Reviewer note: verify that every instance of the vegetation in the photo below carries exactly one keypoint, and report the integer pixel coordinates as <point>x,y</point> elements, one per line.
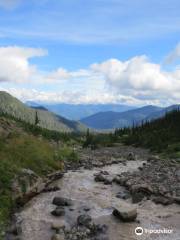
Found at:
<point>43,118</point>
<point>95,140</point>
<point>25,145</point>
<point>161,135</point>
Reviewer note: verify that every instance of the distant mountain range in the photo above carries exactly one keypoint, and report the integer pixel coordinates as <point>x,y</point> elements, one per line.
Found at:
<point>49,120</point>
<point>79,111</point>
<point>106,116</point>
<point>111,120</point>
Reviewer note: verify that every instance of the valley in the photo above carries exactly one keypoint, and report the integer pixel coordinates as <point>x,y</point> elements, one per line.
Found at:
<point>87,185</point>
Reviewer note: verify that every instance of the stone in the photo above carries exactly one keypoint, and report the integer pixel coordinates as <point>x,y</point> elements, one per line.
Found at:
<point>60,201</point>
<point>59,211</point>
<point>99,178</point>
<point>84,220</point>
<point>86,209</point>
<point>51,189</point>
<point>131,156</point>
<point>15,229</point>
<point>125,212</point>
<point>162,200</point>
<point>123,195</point>
<point>137,197</point>
<point>108,181</point>
<point>58,225</point>
<point>58,237</point>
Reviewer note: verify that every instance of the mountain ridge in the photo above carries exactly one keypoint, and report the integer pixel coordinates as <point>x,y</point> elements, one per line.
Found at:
<point>110,120</point>
<point>12,106</point>
<point>79,111</point>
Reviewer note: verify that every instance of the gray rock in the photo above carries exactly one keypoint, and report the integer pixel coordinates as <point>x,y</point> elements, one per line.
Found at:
<point>162,200</point>
<point>58,237</point>
<point>123,195</point>
<point>125,212</point>
<point>99,178</point>
<point>84,220</point>
<point>60,201</point>
<point>137,197</point>
<point>58,225</point>
<point>59,211</point>
<point>131,156</point>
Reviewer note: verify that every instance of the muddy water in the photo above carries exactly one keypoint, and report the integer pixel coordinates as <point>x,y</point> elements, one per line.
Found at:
<point>86,193</point>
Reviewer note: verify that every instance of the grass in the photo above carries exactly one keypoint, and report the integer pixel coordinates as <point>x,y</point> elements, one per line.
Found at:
<point>21,150</point>
<point>68,154</point>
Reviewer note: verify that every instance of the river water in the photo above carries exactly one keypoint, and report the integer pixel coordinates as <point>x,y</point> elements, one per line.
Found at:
<point>86,193</point>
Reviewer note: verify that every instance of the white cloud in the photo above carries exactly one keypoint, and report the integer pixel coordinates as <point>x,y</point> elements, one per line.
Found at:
<point>138,74</point>
<point>72,97</point>
<point>136,81</point>
<point>14,63</point>
<point>62,74</point>
<point>173,55</point>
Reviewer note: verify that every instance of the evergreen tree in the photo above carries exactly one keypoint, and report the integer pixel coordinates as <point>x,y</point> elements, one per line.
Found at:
<point>36,119</point>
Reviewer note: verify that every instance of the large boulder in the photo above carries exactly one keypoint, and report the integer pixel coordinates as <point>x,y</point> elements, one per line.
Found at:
<point>125,212</point>
<point>26,185</point>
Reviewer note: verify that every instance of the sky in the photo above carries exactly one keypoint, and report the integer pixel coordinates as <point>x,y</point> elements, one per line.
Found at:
<point>93,51</point>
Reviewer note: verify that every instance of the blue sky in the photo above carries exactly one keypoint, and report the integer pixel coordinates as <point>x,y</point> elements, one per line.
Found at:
<point>94,51</point>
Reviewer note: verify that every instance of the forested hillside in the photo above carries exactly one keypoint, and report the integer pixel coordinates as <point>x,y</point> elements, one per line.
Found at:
<point>162,135</point>
<point>42,117</point>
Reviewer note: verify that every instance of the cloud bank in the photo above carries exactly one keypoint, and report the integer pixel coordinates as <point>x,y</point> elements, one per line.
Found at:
<point>136,81</point>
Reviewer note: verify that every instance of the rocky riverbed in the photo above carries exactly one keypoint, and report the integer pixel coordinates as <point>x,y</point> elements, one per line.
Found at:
<point>114,191</point>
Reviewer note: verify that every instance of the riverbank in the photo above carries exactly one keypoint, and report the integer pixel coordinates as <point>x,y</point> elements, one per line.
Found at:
<point>97,199</point>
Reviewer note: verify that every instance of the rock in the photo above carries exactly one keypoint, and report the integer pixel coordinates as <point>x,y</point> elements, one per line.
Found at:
<point>145,188</point>
<point>26,185</point>
<point>101,238</point>
<point>123,195</point>
<point>58,225</point>
<point>86,209</point>
<point>99,178</point>
<point>153,159</point>
<point>102,228</point>
<point>125,212</point>
<point>177,173</point>
<point>162,200</point>
<point>58,237</point>
<point>131,156</point>
<point>15,229</point>
<point>108,181</point>
<point>60,201</point>
<point>55,176</point>
<point>104,172</point>
<point>51,189</point>
<point>84,220</point>
<point>59,211</point>
<point>140,191</point>
<point>137,197</point>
